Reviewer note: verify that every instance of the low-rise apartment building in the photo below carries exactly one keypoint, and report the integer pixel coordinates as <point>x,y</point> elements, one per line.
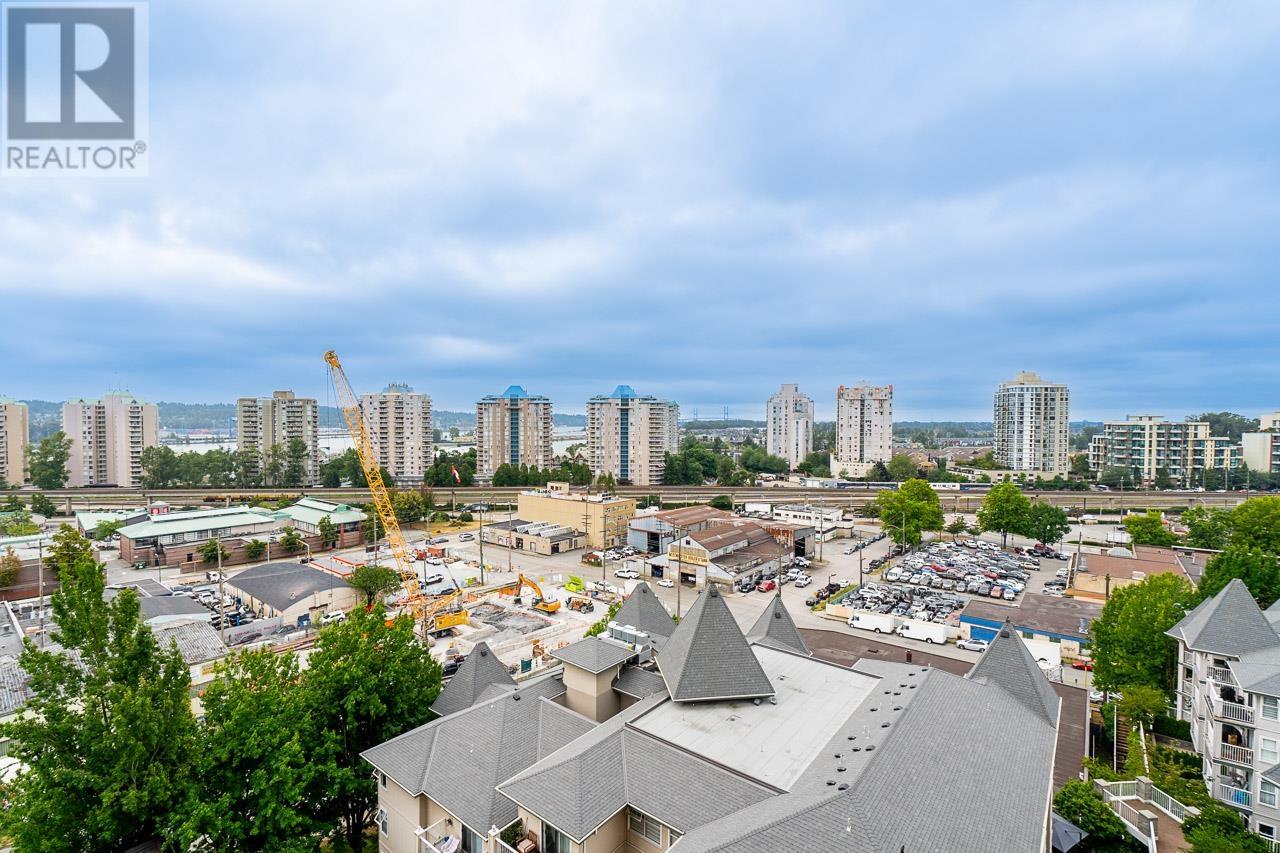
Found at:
<point>628,436</point>
<point>602,518</point>
<point>107,439</point>
<point>513,427</point>
<point>15,430</point>
<point>701,737</point>
<point>400,427</point>
<point>1229,691</point>
<point>266,425</point>
<point>1149,444</point>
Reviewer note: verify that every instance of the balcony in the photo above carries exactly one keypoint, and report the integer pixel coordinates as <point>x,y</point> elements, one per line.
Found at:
<point>1234,796</point>
<point>1233,711</point>
<point>1222,675</point>
<point>1235,754</point>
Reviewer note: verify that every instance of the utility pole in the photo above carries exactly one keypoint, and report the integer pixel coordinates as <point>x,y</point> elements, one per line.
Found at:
<point>511,539</point>
<point>679,572</point>
<point>40,586</point>
<point>222,599</point>
<point>480,536</point>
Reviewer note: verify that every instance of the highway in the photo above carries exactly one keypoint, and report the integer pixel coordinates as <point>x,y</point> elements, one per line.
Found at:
<point>952,502</point>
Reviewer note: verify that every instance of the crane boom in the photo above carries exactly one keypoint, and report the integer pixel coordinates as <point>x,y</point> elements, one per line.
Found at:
<point>373,476</point>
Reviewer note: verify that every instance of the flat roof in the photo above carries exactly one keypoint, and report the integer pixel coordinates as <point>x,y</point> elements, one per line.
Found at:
<point>774,743</point>
<point>687,515</point>
<point>1040,612</point>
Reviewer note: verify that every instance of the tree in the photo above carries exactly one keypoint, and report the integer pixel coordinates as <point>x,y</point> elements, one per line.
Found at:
<point>47,461</point>
<point>1220,829</point>
<point>465,517</point>
<point>723,502</point>
<point>251,760</point>
<point>254,549</point>
<point>296,454</point>
<point>41,505</point>
<point>1117,476</point>
<point>878,473</point>
<point>107,743</point>
<point>606,483</point>
<point>1046,523</point>
<point>1005,510</point>
<point>1228,424</point>
<point>106,529</point>
<point>1255,525</point>
<point>908,511</point>
<point>407,505</point>
<point>901,467</point>
<point>1162,479</point>
<point>69,547</point>
<point>1080,803</point>
<point>755,459</point>
<point>1260,573</point>
<point>328,531</point>
<point>1143,703</point>
<point>958,526</point>
<point>212,551</point>
<point>1128,640</point>
<point>1148,529</point>
<point>10,565</point>
<point>374,581</point>
<point>291,541</point>
<point>1080,465</point>
<point>1207,527</point>
<point>18,523</point>
<point>273,465</point>
<point>159,467</point>
<point>366,682</point>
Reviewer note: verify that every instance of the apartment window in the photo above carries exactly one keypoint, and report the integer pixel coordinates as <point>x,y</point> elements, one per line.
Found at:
<point>1267,831</point>
<point>675,834</point>
<point>1270,708</point>
<point>555,841</point>
<point>382,821</point>
<point>472,842</point>
<point>1267,793</point>
<point>642,824</point>
<point>382,779</point>
<point>1270,751</point>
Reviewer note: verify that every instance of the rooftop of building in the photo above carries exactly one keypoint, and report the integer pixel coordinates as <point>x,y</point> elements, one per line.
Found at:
<point>311,510</point>
<point>515,392</point>
<point>1038,612</point>
<point>687,516</point>
<point>196,640</point>
<point>282,584</point>
<point>198,520</point>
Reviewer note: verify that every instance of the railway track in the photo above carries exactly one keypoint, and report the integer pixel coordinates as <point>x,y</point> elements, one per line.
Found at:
<point>952,502</point>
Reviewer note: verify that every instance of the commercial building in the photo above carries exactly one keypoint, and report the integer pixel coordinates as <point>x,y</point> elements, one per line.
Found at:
<point>107,439</point>
<point>629,436</point>
<point>1229,691</point>
<point>1064,621</point>
<point>399,424</point>
<point>513,427</point>
<point>535,537</point>
<point>305,516</point>
<point>1147,445</point>
<point>789,425</point>
<point>1097,576</point>
<point>15,430</point>
<point>1032,425</point>
<point>266,425</point>
<point>602,518</point>
<point>296,593</point>
<point>1261,451</point>
<point>864,429</point>
<point>701,737</point>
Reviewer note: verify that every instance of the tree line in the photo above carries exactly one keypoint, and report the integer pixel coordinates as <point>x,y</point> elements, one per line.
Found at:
<point>114,756</point>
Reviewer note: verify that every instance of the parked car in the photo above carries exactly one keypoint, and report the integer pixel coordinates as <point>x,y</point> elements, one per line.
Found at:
<point>1086,665</point>
<point>465,537</point>
<point>666,583</point>
<point>803,580</point>
<point>626,574</point>
<point>330,617</point>
<point>766,586</point>
<point>973,645</point>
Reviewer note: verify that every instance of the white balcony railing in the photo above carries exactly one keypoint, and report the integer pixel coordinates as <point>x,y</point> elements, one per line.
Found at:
<point>1235,754</point>
<point>1222,675</point>
<point>1233,795</point>
<point>1225,710</point>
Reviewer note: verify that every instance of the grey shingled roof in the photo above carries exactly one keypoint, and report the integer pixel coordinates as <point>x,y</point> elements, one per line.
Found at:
<point>458,760</point>
<point>1272,773</point>
<point>775,627</point>
<point>709,658</point>
<point>584,784</point>
<point>1258,672</point>
<point>480,671</point>
<point>283,584</point>
<point>593,654</point>
<point>643,610</point>
<point>1008,664</point>
<point>639,683</point>
<point>1230,624</point>
<point>197,641</point>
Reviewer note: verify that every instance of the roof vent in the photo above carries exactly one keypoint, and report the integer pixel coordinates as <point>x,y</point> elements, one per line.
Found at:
<point>484,653</point>
<point>516,697</point>
<point>1004,632</point>
<point>755,701</point>
<point>773,700</point>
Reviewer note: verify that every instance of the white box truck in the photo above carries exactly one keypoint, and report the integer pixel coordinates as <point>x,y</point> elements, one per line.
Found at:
<point>930,632</point>
<point>881,623</point>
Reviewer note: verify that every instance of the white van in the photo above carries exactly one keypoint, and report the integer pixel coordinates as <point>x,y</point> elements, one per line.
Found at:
<point>881,623</point>
<point>332,616</point>
<point>930,632</point>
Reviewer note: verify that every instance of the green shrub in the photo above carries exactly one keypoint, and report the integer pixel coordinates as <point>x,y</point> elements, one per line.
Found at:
<point>1172,727</point>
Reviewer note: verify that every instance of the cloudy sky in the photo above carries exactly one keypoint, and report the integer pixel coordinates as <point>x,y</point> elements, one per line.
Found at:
<point>702,200</point>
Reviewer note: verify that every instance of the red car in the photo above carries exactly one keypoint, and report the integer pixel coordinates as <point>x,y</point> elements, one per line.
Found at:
<point>766,586</point>
<point>1086,665</point>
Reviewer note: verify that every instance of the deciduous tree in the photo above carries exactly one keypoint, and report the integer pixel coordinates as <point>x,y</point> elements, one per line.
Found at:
<point>1148,528</point>
<point>1046,523</point>
<point>1207,527</point>
<point>328,531</point>
<point>47,461</point>
<point>374,582</point>
<point>1260,573</point>
<point>1004,511</point>
<point>908,511</point>
<point>1129,644</point>
<point>1255,525</point>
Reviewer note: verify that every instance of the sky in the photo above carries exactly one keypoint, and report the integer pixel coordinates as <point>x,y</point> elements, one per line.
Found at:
<point>700,200</point>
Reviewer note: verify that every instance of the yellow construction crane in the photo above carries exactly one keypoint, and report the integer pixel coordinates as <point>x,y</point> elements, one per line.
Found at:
<point>415,600</point>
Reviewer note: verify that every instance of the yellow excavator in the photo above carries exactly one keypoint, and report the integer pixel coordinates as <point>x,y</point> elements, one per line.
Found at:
<point>441,613</point>
<point>540,602</point>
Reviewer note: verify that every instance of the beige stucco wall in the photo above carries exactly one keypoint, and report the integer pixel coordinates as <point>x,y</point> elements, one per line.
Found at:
<point>609,836</point>
<point>591,695</point>
<point>601,518</point>
<point>403,817</point>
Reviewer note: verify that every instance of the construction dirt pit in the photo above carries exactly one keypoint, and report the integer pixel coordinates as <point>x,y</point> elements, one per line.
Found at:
<point>503,619</point>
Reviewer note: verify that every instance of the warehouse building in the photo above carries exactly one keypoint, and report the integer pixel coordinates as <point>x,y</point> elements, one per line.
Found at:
<point>1040,617</point>
<point>534,537</point>
<point>298,594</point>
<point>604,518</point>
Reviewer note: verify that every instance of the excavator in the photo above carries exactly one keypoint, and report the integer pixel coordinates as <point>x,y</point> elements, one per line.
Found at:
<point>435,616</point>
<point>540,602</point>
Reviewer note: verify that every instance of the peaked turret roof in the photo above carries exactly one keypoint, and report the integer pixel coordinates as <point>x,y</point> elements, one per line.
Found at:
<point>1230,623</point>
<point>776,628</point>
<point>480,671</point>
<point>643,610</point>
<point>707,657</point>
<point>1008,664</point>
